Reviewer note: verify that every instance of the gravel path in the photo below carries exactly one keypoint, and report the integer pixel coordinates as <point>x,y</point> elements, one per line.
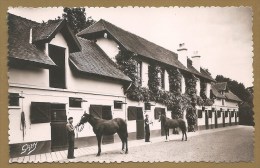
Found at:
<point>224,146</point>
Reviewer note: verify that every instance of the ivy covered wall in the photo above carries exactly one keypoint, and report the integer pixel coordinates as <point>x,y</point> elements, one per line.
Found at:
<point>173,99</point>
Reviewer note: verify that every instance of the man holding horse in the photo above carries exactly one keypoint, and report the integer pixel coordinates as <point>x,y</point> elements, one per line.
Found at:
<point>71,137</point>
<point>147,128</point>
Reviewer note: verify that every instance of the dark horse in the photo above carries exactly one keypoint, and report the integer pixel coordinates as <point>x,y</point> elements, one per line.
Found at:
<point>107,127</point>
<point>168,123</point>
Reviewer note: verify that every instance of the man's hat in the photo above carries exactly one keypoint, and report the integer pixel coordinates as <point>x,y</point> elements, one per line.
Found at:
<point>70,118</point>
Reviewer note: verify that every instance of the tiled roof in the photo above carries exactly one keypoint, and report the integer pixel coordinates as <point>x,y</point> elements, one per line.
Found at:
<point>18,42</point>
<point>221,86</point>
<point>227,94</point>
<point>45,30</point>
<point>231,96</point>
<point>202,72</point>
<point>216,93</point>
<point>137,45</point>
<point>93,60</point>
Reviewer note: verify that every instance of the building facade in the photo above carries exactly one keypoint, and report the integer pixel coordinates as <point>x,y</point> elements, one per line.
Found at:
<point>54,74</point>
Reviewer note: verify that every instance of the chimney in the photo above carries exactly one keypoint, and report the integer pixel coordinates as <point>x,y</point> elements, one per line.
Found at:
<point>182,54</point>
<point>30,37</point>
<point>196,60</point>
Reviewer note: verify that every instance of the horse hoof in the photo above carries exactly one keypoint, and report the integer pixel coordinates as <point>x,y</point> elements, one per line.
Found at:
<point>98,155</point>
<point>126,152</point>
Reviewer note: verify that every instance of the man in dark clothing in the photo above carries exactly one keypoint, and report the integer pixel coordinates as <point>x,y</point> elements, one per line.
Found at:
<point>71,137</point>
<point>147,128</point>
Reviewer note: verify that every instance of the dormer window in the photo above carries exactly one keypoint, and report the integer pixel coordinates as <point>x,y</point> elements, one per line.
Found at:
<point>57,74</point>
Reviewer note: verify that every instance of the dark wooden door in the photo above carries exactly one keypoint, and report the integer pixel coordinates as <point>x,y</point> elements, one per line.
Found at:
<point>216,119</point>
<point>139,123</point>
<point>58,127</point>
<point>107,115</point>
<point>206,120</point>
<point>160,111</point>
<point>223,119</point>
<point>229,118</point>
<point>235,118</point>
<point>103,112</point>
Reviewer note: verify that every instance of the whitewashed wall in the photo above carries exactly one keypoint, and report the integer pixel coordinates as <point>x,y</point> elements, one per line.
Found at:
<point>110,47</point>
<point>34,83</point>
<point>208,88</point>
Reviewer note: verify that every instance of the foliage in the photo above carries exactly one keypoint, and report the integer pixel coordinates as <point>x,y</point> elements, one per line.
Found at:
<point>206,101</point>
<point>173,99</point>
<point>191,116</point>
<point>76,18</point>
<point>154,80</point>
<point>246,114</point>
<point>175,80</point>
<point>191,82</point>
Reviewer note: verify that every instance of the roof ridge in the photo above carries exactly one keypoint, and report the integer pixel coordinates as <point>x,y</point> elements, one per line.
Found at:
<point>136,35</point>
<point>22,17</point>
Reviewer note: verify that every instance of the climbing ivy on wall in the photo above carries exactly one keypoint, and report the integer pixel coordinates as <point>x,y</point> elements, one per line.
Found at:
<point>153,79</point>
<point>205,100</point>
<point>175,80</point>
<point>173,99</point>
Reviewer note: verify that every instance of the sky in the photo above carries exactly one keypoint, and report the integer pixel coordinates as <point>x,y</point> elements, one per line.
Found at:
<point>222,36</point>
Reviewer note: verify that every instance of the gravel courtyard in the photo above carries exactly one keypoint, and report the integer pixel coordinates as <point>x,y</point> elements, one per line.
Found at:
<point>228,145</point>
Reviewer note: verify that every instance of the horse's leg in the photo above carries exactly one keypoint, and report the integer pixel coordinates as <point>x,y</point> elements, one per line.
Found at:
<point>166,133</point>
<point>99,137</point>
<point>126,145</point>
<point>122,140</point>
<point>186,136</point>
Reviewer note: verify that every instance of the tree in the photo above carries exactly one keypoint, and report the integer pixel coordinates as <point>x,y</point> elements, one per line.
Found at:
<point>76,18</point>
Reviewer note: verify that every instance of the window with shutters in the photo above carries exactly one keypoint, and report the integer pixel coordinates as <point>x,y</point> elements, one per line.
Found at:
<point>199,113</point>
<point>157,112</point>
<point>118,104</point>
<point>226,113</point>
<point>219,114</point>
<point>232,113</point>
<point>210,114</point>
<point>40,112</point>
<point>14,99</point>
<point>147,106</point>
<point>75,102</point>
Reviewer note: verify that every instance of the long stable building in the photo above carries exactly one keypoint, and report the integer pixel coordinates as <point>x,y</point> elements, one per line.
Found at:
<point>54,74</point>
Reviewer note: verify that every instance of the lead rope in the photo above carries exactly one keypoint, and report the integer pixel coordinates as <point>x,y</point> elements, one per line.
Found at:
<point>79,130</point>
